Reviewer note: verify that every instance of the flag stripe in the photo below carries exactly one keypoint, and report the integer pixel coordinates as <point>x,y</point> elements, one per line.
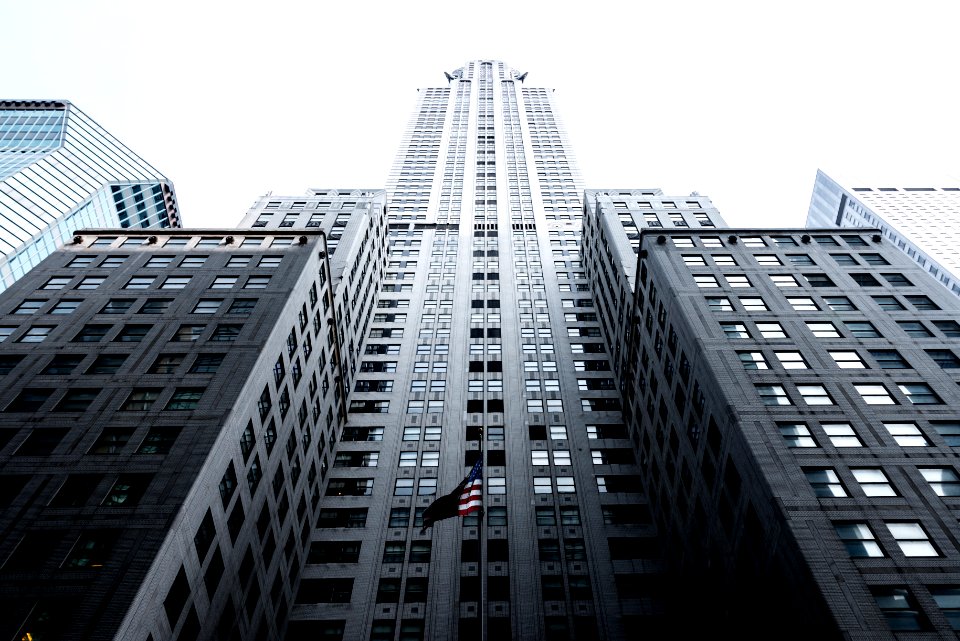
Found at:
<point>471,497</point>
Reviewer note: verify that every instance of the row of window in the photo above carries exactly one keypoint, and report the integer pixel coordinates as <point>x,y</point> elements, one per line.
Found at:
<point>160,261</point>
<point>66,364</point>
<point>772,260</point>
<point>826,483</point>
<point>707,281</point>
<point>124,305</point>
<point>31,399</point>
<point>871,393</point>
<point>147,282</point>
<point>131,333</point>
<point>841,434</point>
<point>188,241</point>
<point>847,359</point>
<point>714,242</point>
<point>826,329</point>
<point>808,304</point>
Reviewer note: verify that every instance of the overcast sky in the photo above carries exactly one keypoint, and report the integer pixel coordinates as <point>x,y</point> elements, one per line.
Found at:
<point>738,101</point>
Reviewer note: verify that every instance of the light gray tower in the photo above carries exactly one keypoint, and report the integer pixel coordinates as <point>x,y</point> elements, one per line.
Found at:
<point>922,220</point>
<point>61,171</point>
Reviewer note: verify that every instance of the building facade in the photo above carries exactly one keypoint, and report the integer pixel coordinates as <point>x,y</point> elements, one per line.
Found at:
<point>921,221</point>
<point>61,171</point>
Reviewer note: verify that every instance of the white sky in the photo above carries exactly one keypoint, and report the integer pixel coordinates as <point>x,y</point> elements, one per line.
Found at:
<point>739,101</point>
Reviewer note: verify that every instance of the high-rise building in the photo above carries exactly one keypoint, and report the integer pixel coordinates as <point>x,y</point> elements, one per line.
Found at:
<point>921,220</point>
<point>234,434</point>
<point>60,171</point>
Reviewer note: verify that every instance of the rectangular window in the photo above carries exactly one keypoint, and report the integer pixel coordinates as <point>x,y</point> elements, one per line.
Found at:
<point>841,435</point>
<point>873,481</point>
<point>943,480</point>
<point>773,395</point>
<point>862,329</point>
<point>825,483</point>
<point>771,330</point>
<point>919,393</point>
<point>791,360</point>
<point>907,434</point>
<point>888,359</point>
<point>753,360</point>
<point>734,330</point>
<point>815,395</point>
<point>912,539</point>
<point>719,304</point>
<point>858,539</point>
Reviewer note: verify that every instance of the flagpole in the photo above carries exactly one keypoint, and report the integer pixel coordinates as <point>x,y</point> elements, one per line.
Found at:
<point>483,551</point>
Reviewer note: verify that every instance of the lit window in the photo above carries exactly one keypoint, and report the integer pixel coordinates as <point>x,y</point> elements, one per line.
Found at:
<point>39,334</point>
<point>841,435</point>
<point>139,282</point>
<point>791,360</point>
<point>784,280</point>
<point>734,330</point>
<point>29,307</point>
<point>815,394</point>
<point>541,485</point>
<point>907,434</point>
<point>847,360</point>
<point>773,395</point>
<point>768,260</point>
<point>90,282</point>
<point>753,360</point>
<point>943,480</point>
<point>496,485</point>
<point>823,330</point>
<point>873,481</point>
<point>694,260</point>
<point>65,307</point>
<point>706,280</point>
<point>919,393</point>
<point>875,394</point>
<point>224,282</point>
<point>257,282</point>
<point>912,539</point>
<point>737,280</point>
<point>719,304</point>
<point>802,303</point>
<point>753,304</point>
<point>771,330</point>
<point>207,306</point>
<point>565,484</point>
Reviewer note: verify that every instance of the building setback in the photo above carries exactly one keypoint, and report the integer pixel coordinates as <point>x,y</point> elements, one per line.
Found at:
<point>684,427</point>
<point>60,171</point>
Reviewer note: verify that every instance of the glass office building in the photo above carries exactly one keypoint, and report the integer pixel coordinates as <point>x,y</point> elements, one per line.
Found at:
<point>60,171</point>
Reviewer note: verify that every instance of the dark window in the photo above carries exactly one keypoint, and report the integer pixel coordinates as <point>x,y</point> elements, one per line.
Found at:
<point>916,329</point>
<point>30,399</point>
<point>76,490</point>
<point>91,333</point>
<point>242,306</point>
<point>132,333</point>
<point>897,280</point>
<point>106,364</point>
<point>62,364</point>
<point>819,280</point>
<point>888,303</point>
<point>334,552</point>
<point>388,591</point>
<point>127,490</point>
<point>176,597</point>
<point>899,608</point>
<point>839,303</point>
<point>140,399</point>
<point>92,549</point>
<point>227,333</point>
<point>111,440</point>
<point>865,280</point>
<point>185,398</point>
<point>117,306</point>
<point>228,484</point>
<point>862,329</point>
<point>156,306</point>
<point>922,302</point>
<point>10,361</point>
<point>205,536</point>
<point>944,358</point>
<point>207,363</point>
<point>166,363</point>
<point>889,359</point>
<point>949,328</point>
<point>874,259</point>
<point>76,400</point>
<point>159,440</point>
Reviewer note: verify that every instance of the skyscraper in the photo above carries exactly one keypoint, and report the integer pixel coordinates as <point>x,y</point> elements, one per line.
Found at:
<point>684,427</point>
<point>921,220</point>
<point>60,171</point>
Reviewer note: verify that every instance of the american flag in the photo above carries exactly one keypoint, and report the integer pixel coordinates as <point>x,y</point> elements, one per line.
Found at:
<point>471,497</point>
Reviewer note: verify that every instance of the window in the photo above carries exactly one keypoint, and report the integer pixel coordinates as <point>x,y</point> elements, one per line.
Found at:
<point>768,260</point>
<point>257,282</point>
<point>947,599</point>
<point>771,330</point>
<point>950,328</point>
<point>839,303</point>
<point>91,334</point>
<point>76,400</point>
<point>694,260</point>
<point>944,358</point>
<point>734,330</point>
<point>566,485</point>
<point>915,329</point>
<point>65,306</point>
<point>175,282</point>
<point>719,304</point>
<point>865,280</point>
<point>187,333</point>
<point>705,280</point>
<point>791,360</point>
<point>403,487</point>
<point>841,435</point>
<point>949,431</point>
<point>819,280</point>
<point>496,485</point>
<point>844,260</point>
<point>888,303</point>
<point>815,394</point>
<point>874,394</point>
<point>888,359</point>
<point>753,360</point>
<point>156,306</point>
<point>81,261</point>
<point>243,306</point>
<point>737,280</point>
<point>56,282</point>
<point>873,481</point>
<point>90,282</point>
<point>784,280</point>
<point>270,262</point>
<point>166,364</point>
<point>185,398</point>
<point>140,399</point>
<point>912,539</point>
<point>943,480</point>
<point>919,393</point>
<point>823,330</point>
<point>773,395</point>
<point>132,333</point>
<point>897,280</point>
<point>207,306</point>
<point>907,434</point>
<point>29,306</point>
<point>922,302</point>
<point>115,306</point>
<point>753,304</point>
<point>862,329</point>
<point>859,540</point>
<point>825,483</point>
<point>800,259</point>
<point>239,261</point>
<point>226,333</point>
<point>38,334</point>
<point>899,608</point>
